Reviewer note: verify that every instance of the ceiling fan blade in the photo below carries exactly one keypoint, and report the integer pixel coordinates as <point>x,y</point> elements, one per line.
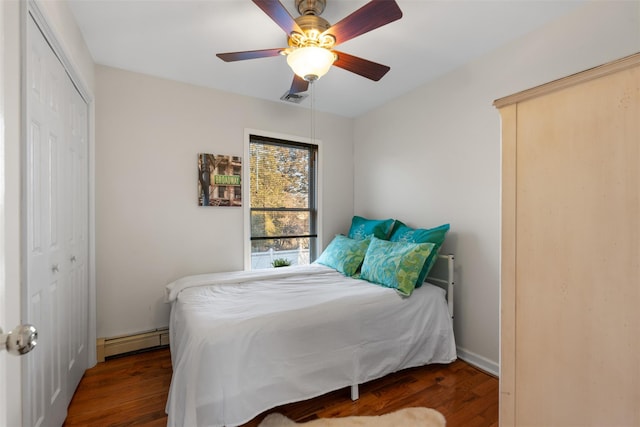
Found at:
<point>279,14</point>
<point>372,15</point>
<point>298,85</point>
<point>249,54</point>
<point>365,68</point>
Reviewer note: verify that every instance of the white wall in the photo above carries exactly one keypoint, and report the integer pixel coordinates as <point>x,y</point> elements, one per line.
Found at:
<point>150,230</point>
<point>433,156</point>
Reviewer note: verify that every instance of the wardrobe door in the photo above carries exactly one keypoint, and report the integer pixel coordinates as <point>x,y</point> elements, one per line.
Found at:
<point>576,253</point>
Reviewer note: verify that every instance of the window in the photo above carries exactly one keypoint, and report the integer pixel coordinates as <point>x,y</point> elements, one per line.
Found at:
<point>283,201</point>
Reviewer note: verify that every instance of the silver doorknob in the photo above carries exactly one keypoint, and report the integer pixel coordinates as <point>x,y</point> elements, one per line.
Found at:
<point>19,341</point>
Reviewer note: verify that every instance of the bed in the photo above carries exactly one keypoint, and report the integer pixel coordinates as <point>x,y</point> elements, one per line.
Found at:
<point>244,342</point>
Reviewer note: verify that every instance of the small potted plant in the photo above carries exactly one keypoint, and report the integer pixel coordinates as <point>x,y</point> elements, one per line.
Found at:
<point>280,262</point>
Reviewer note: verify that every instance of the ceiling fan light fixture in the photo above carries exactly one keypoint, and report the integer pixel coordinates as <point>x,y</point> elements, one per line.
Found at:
<point>310,62</point>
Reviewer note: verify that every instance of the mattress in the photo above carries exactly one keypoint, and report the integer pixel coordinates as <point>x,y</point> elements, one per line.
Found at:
<point>244,342</point>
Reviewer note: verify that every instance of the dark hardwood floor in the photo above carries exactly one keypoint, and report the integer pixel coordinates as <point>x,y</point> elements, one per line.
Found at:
<point>132,390</point>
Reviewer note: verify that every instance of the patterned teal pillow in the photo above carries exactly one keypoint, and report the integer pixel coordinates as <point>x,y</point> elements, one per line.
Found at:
<point>363,227</point>
<point>344,254</point>
<point>395,264</point>
<point>402,233</point>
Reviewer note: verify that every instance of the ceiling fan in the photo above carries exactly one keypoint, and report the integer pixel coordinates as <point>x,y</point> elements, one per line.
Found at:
<point>311,39</point>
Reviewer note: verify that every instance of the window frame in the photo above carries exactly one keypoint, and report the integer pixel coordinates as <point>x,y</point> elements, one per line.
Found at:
<point>247,193</point>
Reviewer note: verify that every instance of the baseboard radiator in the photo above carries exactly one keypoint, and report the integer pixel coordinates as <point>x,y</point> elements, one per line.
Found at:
<point>107,347</point>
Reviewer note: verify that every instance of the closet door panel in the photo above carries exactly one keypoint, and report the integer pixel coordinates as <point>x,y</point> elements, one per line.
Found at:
<point>76,238</point>
<point>46,285</point>
<point>577,257</point>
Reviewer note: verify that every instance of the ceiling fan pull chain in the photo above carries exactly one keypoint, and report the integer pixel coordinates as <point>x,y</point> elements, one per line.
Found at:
<point>313,109</point>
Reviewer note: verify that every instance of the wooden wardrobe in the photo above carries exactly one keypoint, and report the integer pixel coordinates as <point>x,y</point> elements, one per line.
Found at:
<point>570,286</point>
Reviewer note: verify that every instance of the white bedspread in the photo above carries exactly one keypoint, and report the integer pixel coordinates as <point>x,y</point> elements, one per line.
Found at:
<point>245,342</point>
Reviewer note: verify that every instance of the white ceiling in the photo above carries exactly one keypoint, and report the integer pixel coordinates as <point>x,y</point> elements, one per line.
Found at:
<point>178,40</point>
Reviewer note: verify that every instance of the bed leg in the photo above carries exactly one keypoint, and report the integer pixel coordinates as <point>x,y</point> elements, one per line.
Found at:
<point>355,394</point>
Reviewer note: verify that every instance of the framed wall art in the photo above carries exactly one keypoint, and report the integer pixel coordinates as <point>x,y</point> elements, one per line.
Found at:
<point>219,180</point>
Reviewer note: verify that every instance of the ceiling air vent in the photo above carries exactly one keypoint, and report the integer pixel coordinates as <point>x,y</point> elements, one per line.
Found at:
<point>296,98</point>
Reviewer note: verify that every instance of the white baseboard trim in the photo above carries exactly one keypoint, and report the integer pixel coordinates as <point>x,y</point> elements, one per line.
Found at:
<point>479,362</point>
<point>106,347</point>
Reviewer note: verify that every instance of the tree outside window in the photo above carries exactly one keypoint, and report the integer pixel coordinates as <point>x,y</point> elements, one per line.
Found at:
<point>283,201</point>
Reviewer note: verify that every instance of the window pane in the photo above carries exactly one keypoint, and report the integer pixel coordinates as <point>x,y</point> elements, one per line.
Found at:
<point>279,223</point>
<point>279,176</point>
<point>282,186</point>
<point>263,252</point>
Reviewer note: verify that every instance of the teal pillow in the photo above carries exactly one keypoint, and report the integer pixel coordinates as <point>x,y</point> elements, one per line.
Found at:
<point>436,235</point>
<point>344,254</point>
<point>363,227</point>
<point>395,264</point>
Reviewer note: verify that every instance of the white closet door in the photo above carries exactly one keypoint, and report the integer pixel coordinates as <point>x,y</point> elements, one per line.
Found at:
<point>76,229</point>
<point>56,279</point>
